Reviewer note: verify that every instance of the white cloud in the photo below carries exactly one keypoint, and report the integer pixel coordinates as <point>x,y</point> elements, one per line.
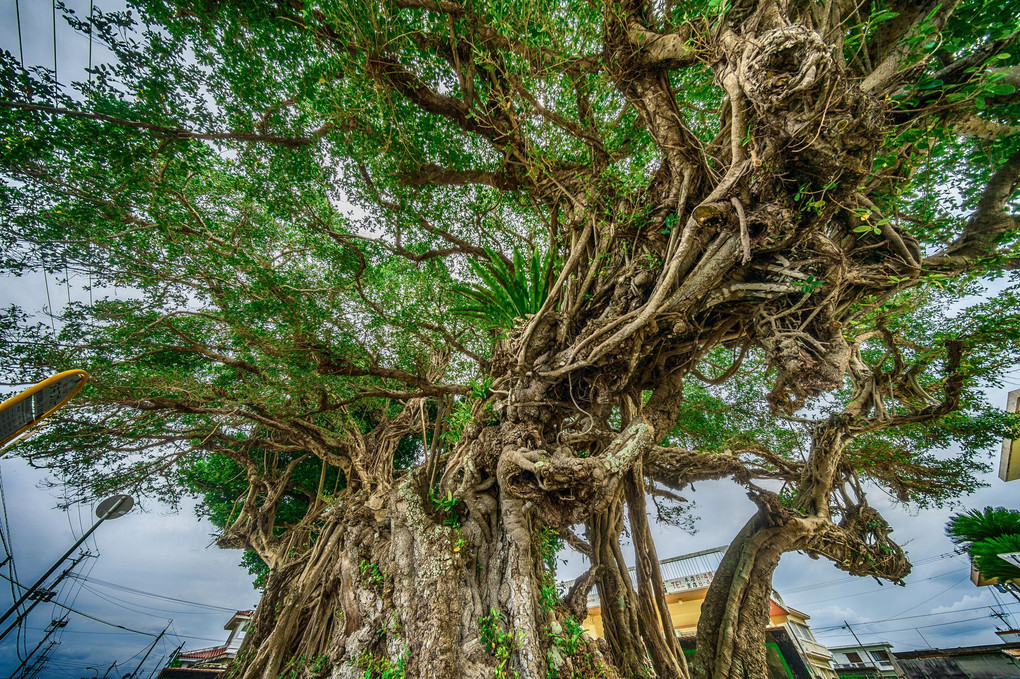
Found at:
<point>836,612</point>
<point>968,601</point>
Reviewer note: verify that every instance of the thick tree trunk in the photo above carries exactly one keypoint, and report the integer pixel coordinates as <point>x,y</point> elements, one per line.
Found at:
<point>657,623</point>
<point>620,617</point>
<point>735,614</point>
<point>415,594</point>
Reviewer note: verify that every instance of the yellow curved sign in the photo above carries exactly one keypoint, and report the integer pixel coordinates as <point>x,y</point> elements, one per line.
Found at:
<point>33,405</point>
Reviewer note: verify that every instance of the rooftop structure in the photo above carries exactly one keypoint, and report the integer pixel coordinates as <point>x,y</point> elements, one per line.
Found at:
<point>214,658</point>
<point>994,661</point>
<point>871,660</point>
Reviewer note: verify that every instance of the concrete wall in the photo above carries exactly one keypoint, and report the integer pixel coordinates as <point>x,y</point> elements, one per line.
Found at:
<point>984,666</point>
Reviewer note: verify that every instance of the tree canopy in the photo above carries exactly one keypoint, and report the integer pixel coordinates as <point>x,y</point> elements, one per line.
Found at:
<point>413,292</point>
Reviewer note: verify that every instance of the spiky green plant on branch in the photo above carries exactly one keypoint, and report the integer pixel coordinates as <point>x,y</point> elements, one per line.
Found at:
<point>505,293</point>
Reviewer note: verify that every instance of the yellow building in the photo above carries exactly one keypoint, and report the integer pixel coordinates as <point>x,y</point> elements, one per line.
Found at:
<point>686,579</point>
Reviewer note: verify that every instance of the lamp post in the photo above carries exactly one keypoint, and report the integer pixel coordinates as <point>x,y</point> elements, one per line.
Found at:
<point>112,507</point>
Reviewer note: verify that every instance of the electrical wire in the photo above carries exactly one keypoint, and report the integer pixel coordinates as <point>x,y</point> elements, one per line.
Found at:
<point>907,617</point>
<point>92,617</point>
<point>127,605</point>
<point>165,613</point>
<point>876,590</point>
<point>901,629</point>
<point>995,595</point>
<point>124,588</point>
<point>838,581</point>
<point>91,20</point>
<point>952,586</point>
<point>93,633</point>
<point>53,13</point>
<point>21,644</point>
<point>49,303</point>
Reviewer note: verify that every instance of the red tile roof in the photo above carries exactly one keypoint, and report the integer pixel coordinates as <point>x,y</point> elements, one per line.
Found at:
<point>237,618</point>
<point>204,654</point>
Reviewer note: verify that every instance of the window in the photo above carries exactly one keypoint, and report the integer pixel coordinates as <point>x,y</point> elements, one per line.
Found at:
<point>853,657</point>
<point>801,631</point>
<point>881,656</point>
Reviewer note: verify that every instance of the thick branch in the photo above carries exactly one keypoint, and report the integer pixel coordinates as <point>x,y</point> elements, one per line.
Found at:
<point>990,221</point>
<point>171,132</point>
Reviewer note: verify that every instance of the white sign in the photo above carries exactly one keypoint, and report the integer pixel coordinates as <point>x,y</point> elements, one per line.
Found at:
<point>689,582</point>
<point>1011,557</point>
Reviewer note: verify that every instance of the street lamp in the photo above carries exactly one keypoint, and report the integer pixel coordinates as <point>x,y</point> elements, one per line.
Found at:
<point>112,507</point>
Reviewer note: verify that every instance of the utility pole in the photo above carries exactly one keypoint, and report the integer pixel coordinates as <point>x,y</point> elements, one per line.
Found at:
<point>37,600</point>
<point>157,667</point>
<point>109,669</point>
<point>50,629</point>
<point>170,658</point>
<point>146,657</point>
<point>110,508</point>
<point>1001,616</point>
<point>38,665</point>
<point>878,672</point>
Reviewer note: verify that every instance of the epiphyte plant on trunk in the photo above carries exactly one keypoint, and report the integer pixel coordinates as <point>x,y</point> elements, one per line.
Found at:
<point>508,291</point>
<point>747,211</point>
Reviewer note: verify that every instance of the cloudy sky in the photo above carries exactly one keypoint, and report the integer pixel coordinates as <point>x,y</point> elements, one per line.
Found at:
<point>167,556</point>
<point>154,566</point>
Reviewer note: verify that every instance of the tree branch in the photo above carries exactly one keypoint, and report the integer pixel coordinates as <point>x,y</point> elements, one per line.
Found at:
<point>171,132</point>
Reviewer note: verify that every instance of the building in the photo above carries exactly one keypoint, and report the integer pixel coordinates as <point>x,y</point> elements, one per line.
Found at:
<point>686,579</point>
<point>1009,460</point>
<point>1009,636</point>
<point>208,662</point>
<point>996,661</point>
<point>866,660</point>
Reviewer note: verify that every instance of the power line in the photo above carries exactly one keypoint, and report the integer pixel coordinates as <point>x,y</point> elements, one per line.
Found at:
<point>952,586</point>
<point>90,617</point>
<point>900,629</point>
<point>907,617</point>
<point>124,588</point>
<point>49,631</point>
<point>131,606</point>
<point>842,580</point>
<point>39,595</point>
<point>94,633</point>
<point>5,529</point>
<point>135,606</point>
<point>877,590</point>
<point>995,595</point>
<point>134,674</point>
<point>91,27</point>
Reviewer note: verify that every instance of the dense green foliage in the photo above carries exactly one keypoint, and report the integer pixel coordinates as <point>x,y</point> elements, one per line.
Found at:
<point>470,280</point>
<point>985,534</point>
